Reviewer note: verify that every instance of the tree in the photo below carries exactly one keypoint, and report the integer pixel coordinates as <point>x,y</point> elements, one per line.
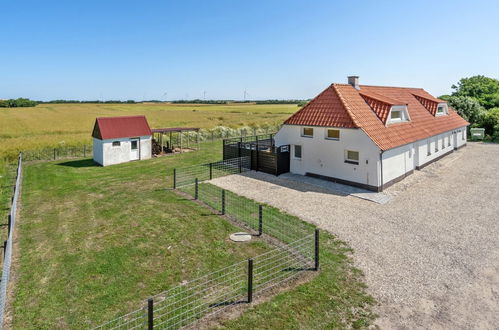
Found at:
<point>490,122</point>
<point>484,89</point>
<point>467,107</point>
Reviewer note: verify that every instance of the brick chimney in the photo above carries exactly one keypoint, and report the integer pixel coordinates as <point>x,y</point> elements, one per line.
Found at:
<point>354,81</point>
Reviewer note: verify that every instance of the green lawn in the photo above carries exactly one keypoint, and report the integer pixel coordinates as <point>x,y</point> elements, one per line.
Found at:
<point>95,242</point>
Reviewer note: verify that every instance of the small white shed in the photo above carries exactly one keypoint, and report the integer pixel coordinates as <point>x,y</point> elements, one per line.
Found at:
<point>121,139</point>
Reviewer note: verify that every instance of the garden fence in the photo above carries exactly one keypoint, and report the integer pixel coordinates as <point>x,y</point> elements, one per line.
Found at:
<point>295,251</point>
<point>7,245</point>
<point>187,175</point>
<point>83,151</point>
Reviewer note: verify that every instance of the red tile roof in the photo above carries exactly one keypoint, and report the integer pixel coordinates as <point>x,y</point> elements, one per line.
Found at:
<point>326,109</point>
<point>120,127</point>
<point>341,105</point>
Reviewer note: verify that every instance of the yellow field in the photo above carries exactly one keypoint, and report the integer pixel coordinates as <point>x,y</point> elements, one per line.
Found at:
<point>52,125</point>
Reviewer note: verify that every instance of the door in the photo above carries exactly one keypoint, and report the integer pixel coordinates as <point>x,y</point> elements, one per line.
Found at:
<point>134,152</point>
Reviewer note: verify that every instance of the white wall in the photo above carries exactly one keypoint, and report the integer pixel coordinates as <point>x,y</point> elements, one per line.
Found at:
<point>105,154</point>
<point>397,162</point>
<point>97,151</point>
<point>327,157</point>
<point>460,139</point>
<point>422,147</point>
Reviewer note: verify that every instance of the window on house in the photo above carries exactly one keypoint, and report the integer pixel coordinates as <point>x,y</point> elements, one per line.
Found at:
<point>436,144</point>
<point>134,145</point>
<point>450,136</point>
<point>297,151</point>
<point>443,142</point>
<point>441,109</point>
<point>398,114</point>
<point>462,134</point>
<point>428,147</point>
<point>116,143</point>
<point>352,157</point>
<point>307,132</point>
<point>333,134</point>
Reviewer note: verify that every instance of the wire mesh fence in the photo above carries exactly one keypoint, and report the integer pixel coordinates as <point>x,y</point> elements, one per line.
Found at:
<point>296,250</point>
<point>187,175</point>
<point>58,153</point>
<point>8,243</point>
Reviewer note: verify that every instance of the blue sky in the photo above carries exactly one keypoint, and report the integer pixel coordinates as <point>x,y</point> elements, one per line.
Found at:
<point>273,49</point>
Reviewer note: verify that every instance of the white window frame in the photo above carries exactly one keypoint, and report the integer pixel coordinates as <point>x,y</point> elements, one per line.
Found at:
<point>350,160</point>
<point>330,138</point>
<point>294,151</point>
<point>445,108</point>
<point>303,132</point>
<point>404,114</point>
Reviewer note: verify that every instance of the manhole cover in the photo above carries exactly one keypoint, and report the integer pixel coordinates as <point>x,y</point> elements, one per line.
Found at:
<point>240,237</point>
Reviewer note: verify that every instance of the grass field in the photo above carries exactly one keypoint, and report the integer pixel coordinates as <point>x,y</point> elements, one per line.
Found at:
<point>52,125</point>
<point>95,242</point>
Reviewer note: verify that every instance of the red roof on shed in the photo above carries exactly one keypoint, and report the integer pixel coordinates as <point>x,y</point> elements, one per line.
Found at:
<point>120,127</point>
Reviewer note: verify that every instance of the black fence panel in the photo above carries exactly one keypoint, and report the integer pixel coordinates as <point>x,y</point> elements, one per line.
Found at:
<point>265,157</point>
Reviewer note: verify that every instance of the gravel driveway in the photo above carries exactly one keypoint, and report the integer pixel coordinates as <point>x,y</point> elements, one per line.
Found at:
<point>430,255</point>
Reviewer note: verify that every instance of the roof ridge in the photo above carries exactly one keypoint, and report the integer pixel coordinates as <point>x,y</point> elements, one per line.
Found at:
<point>381,98</point>
<point>391,87</point>
<point>347,108</point>
<point>121,117</point>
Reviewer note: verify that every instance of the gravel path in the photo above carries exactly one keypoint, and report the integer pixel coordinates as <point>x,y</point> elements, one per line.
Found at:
<point>430,255</point>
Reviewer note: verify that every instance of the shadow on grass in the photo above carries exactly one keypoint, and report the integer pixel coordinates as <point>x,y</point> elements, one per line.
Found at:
<point>80,163</point>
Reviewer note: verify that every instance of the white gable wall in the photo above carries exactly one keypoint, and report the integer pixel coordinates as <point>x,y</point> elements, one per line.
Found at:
<point>107,154</point>
<point>327,157</point>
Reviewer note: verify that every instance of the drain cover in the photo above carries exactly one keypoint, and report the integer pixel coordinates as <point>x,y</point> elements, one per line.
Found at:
<point>240,237</point>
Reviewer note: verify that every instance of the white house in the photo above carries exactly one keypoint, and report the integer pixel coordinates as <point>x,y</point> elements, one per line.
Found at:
<point>121,139</point>
<point>370,136</point>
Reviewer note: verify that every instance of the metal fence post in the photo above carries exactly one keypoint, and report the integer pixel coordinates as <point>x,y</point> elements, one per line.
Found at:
<point>150,314</point>
<point>196,188</point>
<point>250,280</point>
<point>260,220</point>
<point>257,155</point>
<point>4,249</point>
<point>54,153</point>
<point>240,165</point>
<point>174,178</point>
<point>223,201</point>
<point>9,224</point>
<point>316,268</point>
<point>211,171</point>
<point>84,151</point>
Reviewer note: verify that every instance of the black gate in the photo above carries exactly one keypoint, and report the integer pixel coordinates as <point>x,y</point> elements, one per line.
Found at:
<point>265,156</point>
